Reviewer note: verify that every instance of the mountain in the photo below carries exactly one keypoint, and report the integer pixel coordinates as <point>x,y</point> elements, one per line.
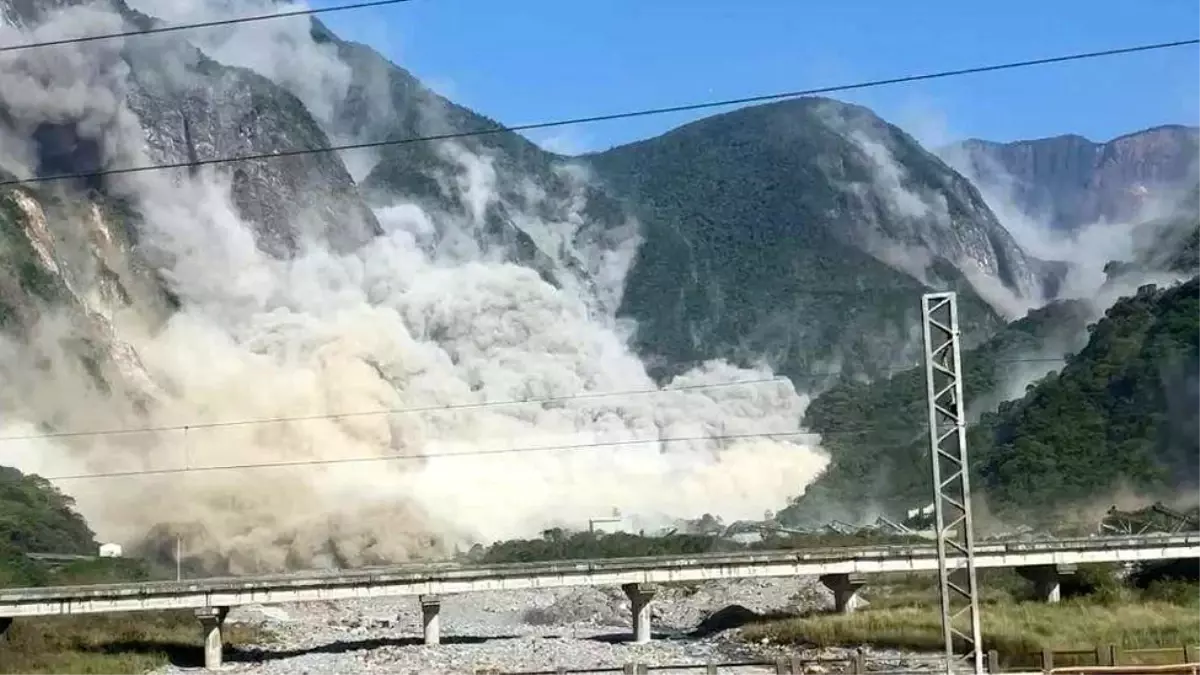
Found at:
<point>589,218</point>
<point>39,518</point>
<point>217,109</point>
<point>1069,181</point>
<point>804,231</point>
<point>592,215</point>
<point>427,299</point>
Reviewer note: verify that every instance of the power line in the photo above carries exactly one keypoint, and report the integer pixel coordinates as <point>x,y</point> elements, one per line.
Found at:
<point>203,24</point>
<point>390,411</point>
<point>645,112</point>
<point>450,407</point>
<point>467,453</point>
<point>477,453</point>
<point>907,432</point>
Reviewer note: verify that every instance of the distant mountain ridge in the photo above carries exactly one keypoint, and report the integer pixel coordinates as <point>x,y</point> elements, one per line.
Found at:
<point>1070,181</point>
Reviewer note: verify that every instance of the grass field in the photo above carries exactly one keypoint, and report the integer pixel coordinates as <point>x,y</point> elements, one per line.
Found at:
<point>903,614</point>
<point>110,643</point>
<point>101,643</point>
<point>1007,627</point>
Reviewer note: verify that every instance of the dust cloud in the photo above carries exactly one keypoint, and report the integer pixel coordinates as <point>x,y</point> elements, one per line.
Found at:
<point>400,323</point>
<point>984,256</point>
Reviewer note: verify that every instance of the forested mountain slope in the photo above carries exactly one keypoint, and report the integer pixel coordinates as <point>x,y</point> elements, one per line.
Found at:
<point>804,231</point>
<point>35,517</point>
<point>876,432</point>
<point>1122,414</point>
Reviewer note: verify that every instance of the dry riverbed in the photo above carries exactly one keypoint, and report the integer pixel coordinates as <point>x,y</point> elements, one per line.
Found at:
<point>516,631</point>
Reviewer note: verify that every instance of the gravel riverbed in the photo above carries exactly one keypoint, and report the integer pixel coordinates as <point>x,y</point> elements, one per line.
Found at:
<point>514,631</point>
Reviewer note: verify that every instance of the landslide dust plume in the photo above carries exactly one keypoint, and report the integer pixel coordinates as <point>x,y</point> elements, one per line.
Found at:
<point>395,324</point>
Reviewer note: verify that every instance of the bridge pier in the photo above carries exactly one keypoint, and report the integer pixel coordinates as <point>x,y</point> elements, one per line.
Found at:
<point>5,624</point>
<point>845,590</point>
<point>640,596</point>
<point>431,607</point>
<point>1047,580</point>
<point>211,620</point>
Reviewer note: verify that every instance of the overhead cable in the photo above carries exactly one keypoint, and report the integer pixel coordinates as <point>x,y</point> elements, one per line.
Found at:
<point>452,407</point>
<point>644,112</point>
<point>203,24</point>
<point>453,455</point>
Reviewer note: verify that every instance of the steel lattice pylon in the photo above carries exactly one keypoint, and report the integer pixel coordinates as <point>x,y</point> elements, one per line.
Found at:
<point>951,481</point>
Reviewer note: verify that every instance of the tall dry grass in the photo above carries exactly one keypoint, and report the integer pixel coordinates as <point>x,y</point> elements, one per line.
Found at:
<point>110,643</point>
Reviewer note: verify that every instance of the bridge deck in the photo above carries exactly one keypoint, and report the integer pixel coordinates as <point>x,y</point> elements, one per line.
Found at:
<point>446,578</point>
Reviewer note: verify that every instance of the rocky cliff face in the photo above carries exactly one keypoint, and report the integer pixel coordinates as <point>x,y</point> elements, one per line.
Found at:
<point>170,89</point>
<point>523,204</point>
<point>83,246</point>
<point>1070,181</point>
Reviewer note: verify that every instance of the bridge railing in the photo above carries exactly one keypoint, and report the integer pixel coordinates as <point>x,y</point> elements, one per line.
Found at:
<point>366,574</point>
<point>857,663</point>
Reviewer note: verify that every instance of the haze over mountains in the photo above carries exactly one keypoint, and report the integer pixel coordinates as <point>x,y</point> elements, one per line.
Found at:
<point>791,239</point>
<point>1069,181</point>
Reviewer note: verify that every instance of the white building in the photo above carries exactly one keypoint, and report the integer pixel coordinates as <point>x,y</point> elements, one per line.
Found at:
<point>608,524</point>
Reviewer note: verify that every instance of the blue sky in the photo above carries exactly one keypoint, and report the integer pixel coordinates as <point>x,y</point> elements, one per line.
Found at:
<point>521,61</point>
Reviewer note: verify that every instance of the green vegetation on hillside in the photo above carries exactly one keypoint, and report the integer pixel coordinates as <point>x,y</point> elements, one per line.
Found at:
<point>35,517</point>
<point>428,173</point>
<point>1121,414</point>
<point>876,432</point>
<point>22,274</point>
<point>759,248</point>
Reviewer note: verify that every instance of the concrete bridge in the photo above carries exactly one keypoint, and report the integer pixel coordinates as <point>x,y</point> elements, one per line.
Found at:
<point>843,570</point>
